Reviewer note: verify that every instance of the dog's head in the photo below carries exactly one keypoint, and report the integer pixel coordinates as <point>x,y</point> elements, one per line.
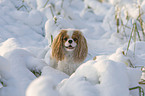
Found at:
<point>67,41</point>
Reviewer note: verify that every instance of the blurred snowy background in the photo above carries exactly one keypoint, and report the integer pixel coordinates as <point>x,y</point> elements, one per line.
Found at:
<point>115,32</point>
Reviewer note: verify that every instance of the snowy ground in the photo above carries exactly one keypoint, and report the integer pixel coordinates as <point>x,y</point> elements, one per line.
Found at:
<point>26,27</point>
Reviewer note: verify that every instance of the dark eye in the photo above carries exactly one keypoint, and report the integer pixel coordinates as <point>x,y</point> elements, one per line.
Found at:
<point>65,39</point>
<point>75,39</point>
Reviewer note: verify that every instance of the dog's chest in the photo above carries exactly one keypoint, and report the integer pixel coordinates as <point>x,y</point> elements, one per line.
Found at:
<point>68,65</point>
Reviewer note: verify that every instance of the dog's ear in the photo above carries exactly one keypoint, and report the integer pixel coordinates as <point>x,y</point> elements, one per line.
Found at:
<point>82,49</point>
<point>57,46</point>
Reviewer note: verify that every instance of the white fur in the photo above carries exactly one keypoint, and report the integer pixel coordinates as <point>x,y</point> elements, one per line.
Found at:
<point>68,65</point>
<point>70,32</point>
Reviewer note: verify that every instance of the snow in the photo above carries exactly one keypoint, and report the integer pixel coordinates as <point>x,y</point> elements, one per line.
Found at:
<point>98,80</point>
<point>42,86</point>
<point>27,28</point>
<point>77,86</point>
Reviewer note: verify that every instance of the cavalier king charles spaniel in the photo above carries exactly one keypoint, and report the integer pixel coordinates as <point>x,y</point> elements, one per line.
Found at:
<point>69,50</point>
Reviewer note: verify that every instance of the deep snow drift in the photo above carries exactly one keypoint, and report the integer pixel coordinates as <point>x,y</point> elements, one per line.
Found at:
<point>27,28</point>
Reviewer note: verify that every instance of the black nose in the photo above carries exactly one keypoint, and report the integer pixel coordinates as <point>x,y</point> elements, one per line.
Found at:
<point>70,41</point>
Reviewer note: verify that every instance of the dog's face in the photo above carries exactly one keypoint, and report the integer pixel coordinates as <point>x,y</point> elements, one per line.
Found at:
<point>70,40</point>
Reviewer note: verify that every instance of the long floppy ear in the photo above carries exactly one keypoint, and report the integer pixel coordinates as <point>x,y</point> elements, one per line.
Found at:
<point>57,46</point>
<point>82,49</point>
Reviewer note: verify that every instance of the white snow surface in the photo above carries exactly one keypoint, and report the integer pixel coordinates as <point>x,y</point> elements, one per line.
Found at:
<point>27,28</point>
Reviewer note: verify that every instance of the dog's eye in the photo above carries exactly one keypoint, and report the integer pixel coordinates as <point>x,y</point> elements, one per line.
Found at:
<point>65,39</point>
<point>75,39</point>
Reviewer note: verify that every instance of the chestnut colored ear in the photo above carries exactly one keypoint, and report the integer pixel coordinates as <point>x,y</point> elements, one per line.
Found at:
<point>82,49</point>
<point>57,46</point>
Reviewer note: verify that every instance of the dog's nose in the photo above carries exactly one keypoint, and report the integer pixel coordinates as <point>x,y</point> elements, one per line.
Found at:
<point>70,41</point>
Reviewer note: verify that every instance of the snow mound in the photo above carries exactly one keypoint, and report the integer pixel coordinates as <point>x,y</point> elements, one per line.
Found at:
<point>93,77</point>
<point>101,78</point>
<point>4,65</point>
<point>77,86</point>
<point>42,86</point>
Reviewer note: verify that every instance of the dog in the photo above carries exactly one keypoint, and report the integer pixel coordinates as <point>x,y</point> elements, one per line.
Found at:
<point>69,50</point>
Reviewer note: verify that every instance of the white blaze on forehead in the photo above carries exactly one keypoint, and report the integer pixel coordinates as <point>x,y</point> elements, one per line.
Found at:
<point>70,32</point>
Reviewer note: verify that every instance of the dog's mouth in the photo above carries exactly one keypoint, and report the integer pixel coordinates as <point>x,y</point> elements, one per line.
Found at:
<point>69,47</point>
